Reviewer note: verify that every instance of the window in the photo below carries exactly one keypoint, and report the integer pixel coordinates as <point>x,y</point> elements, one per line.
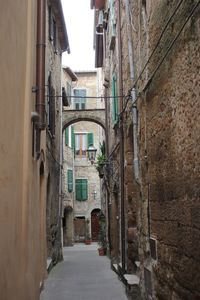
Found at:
<point>114,100</point>
<point>51,107</point>
<point>81,189</point>
<point>70,180</point>
<point>82,143</point>
<point>79,103</point>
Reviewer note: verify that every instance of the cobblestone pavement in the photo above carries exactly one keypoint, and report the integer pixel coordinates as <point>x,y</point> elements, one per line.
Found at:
<point>83,275</point>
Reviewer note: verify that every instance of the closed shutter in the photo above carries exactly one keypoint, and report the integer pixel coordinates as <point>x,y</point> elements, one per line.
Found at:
<point>81,190</point>
<point>67,136</point>
<point>78,190</point>
<point>90,139</point>
<point>84,189</point>
<point>70,180</point>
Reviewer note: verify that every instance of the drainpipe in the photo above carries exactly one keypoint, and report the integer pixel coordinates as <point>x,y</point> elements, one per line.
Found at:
<point>121,137</point>
<point>61,172</point>
<point>133,94</point>
<point>107,155</point>
<point>40,65</point>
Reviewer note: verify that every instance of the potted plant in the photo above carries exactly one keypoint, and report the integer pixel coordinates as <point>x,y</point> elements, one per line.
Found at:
<point>87,233</point>
<point>102,235</point>
<point>101,160</point>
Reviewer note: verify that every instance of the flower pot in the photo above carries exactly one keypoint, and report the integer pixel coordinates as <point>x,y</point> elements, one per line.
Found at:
<point>99,4</point>
<point>87,242</point>
<point>102,251</point>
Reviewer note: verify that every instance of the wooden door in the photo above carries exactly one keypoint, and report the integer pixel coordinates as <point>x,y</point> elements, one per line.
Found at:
<point>95,225</point>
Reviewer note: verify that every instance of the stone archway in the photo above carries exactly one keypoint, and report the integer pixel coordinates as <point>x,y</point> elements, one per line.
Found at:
<point>92,115</point>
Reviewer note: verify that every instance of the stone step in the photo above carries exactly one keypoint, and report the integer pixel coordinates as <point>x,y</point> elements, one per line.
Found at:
<point>132,279</point>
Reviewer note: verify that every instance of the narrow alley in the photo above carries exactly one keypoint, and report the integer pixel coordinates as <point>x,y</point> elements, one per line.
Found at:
<point>100,150</point>
<point>83,275</point>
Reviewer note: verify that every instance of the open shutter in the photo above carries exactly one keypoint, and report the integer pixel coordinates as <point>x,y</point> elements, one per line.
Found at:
<point>67,136</point>
<point>50,24</point>
<point>73,137</point>
<point>115,100</point>
<point>70,180</point>
<point>84,189</point>
<point>90,139</point>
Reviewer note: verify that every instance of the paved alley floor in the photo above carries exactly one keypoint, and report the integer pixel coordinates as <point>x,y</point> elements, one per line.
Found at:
<point>83,275</point>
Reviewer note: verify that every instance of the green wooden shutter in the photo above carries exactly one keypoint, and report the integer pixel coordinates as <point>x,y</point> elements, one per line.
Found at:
<point>115,100</point>
<point>67,136</point>
<point>90,139</point>
<point>73,137</point>
<point>78,190</point>
<point>70,180</point>
<point>84,190</point>
<point>81,189</point>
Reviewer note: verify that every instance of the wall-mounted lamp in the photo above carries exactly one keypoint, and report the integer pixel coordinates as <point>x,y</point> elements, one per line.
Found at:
<point>94,194</point>
<point>91,153</point>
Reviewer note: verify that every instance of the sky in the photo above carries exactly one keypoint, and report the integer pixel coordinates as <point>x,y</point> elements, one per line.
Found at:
<point>79,19</point>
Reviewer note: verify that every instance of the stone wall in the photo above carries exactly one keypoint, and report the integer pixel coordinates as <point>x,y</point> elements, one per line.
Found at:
<point>162,211</point>
<point>172,143</point>
<point>53,209</point>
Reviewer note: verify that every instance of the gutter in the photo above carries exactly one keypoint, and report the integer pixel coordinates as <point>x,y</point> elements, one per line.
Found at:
<point>40,65</point>
<point>122,212</point>
<point>133,94</point>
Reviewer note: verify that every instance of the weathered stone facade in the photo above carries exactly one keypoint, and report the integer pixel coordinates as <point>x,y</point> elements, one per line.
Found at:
<point>54,107</point>
<point>158,208</point>
<point>68,80</point>
<point>82,168</point>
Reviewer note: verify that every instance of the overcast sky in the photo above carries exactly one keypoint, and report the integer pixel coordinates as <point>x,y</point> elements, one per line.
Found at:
<point>79,20</point>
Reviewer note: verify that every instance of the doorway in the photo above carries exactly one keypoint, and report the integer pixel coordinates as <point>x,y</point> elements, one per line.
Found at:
<point>95,226</point>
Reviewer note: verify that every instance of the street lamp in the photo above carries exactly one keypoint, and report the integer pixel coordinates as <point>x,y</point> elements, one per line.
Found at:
<point>91,153</point>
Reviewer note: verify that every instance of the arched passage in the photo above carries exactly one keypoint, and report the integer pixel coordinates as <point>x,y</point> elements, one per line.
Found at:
<point>94,115</point>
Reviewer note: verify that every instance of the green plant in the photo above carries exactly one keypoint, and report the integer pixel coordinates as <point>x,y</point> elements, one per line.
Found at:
<point>102,231</point>
<point>101,158</point>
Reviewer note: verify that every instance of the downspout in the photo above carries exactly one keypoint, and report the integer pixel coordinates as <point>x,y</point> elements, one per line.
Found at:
<point>40,70</point>
<point>107,155</point>
<point>121,137</point>
<point>133,94</point>
<point>61,171</point>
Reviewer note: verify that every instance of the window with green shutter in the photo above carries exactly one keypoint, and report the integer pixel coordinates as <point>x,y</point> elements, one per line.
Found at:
<point>115,110</point>
<point>70,180</point>
<point>72,137</point>
<point>67,136</point>
<point>90,139</point>
<point>81,189</point>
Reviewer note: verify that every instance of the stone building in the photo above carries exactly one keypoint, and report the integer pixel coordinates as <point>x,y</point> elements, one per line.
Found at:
<point>149,52</point>
<point>34,39</point>
<point>69,80</point>
<point>23,172</point>
<point>56,44</point>
<point>84,177</point>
